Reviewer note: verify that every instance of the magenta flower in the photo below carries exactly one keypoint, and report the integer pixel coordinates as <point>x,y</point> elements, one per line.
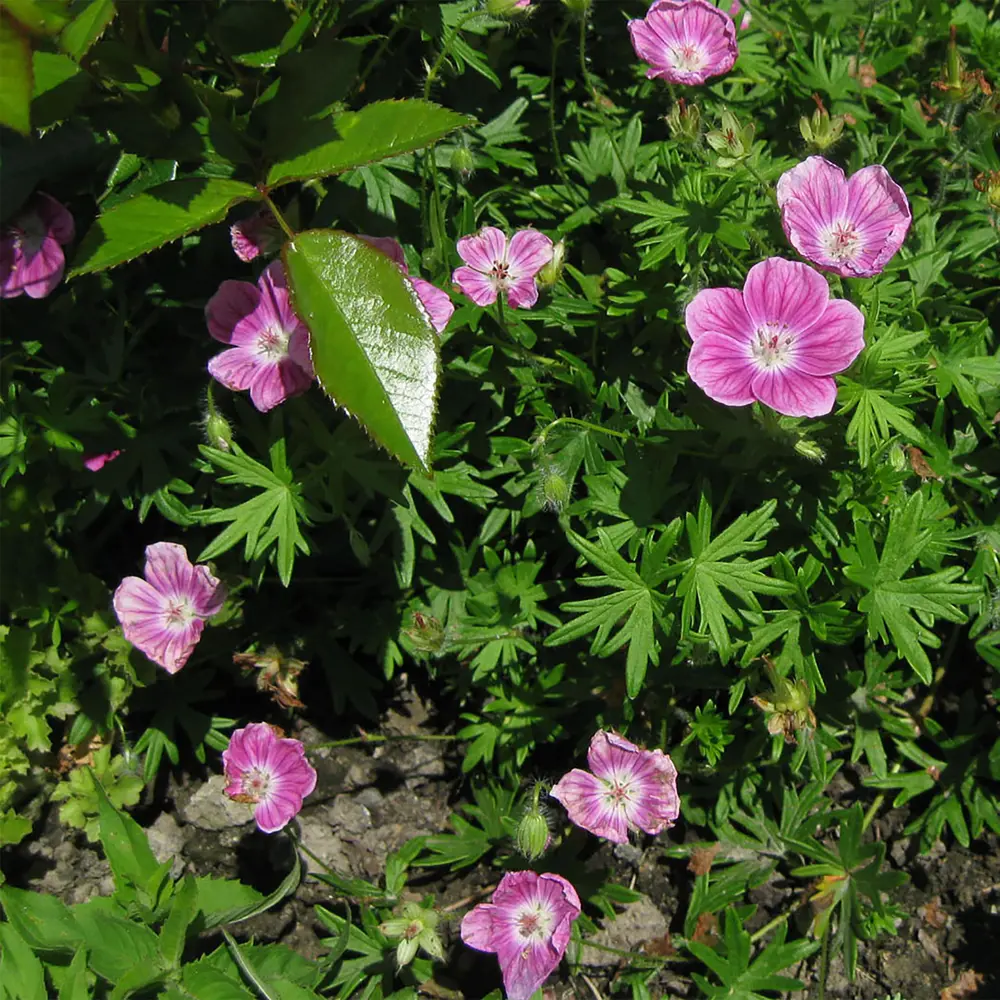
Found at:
<point>528,926</point>
<point>494,266</point>
<point>255,235</point>
<point>851,227</point>
<point>629,789</point>
<point>270,352</point>
<point>734,12</point>
<point>31,249</point>
<point>778,341</point>
<point>94,463</point>
<point>437,303</point>
<point>685,41</point>
<point>164,614</point>
<point>268,771</point>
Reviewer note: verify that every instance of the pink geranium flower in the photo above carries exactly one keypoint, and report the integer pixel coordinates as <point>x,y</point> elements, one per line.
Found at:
<point>685,41</point>
<point>851,227</point>
<point>255,235</point>
<point>164,614</point>
<point>494,265</point>
<point>629,789</point>
<point>270,352</point>
<point>528,926</point>
<point>269,772</point>
<point>437,303</point>
<point>734,12</point>
<point>31,249</point>
<point>778,341</point>
<point>94,463</point>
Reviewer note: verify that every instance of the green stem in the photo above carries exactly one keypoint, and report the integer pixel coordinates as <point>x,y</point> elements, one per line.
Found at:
<point>824,962</point>
<point>293,836</point>
<point>379,52</point>
<point>378,738</point>
<point>445,49</point>
<point>557,41</point>
<point>770,925</point>
<point>289,232</point>
<point>577,423</point>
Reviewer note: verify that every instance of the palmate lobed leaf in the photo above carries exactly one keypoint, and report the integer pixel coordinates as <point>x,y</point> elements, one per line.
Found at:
<point>373,348</point>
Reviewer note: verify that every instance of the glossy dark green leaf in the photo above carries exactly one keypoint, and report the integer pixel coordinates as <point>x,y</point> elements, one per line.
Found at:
<point>354,138</point>
<point>373,347</point>
<point>59,85</point>
<point>16,83</point>
<point>86,27</point>
<point>156,217</point>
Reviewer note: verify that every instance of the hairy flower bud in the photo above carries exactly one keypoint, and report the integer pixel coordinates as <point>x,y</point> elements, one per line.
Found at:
<point>555,489</point>
<point>532,837</point>
<point>463,162</point>
<point>684,121</point>
<point>426,633</point>
<point>809,449</point>
<point>733,141</point>
<point>552,271</point>
<point>219,431</point>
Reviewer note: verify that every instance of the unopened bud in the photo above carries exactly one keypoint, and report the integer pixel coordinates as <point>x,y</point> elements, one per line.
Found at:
<point>508,8</point>
<point>218,431</point>
<point>533,838</point>
<point>552,271</point>
<point>809,449</point>
<point>255,235</point>
<point>426,633</point>
<point>733,141</point>
<point>684,121</point>
<point>555,490</point>
<point>463,162</point>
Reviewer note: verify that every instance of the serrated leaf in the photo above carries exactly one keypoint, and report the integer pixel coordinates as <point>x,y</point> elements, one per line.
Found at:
<point>16,80</point>
<point>155,217</point>
<point>21,973</point>
<point>373,347</point>
<point>354,138</point>
<point>81,33</point>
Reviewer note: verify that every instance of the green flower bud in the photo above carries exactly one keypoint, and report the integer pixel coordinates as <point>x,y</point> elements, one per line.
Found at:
<point>555,490</point>
<point>552,272</point>
<point>463,162</point>
<point>508,8</point>
<point>684,121</point>
<point>218,430</point>
<point>989,184</point>
<point>426,633</point>
<point>809,449</point>
<point>532,837</point>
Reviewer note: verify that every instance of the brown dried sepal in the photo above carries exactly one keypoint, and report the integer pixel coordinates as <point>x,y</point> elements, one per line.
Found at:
<point>706,930</point>
<point>919,464</point>
<point>701,859</point>
<point>74,755</point>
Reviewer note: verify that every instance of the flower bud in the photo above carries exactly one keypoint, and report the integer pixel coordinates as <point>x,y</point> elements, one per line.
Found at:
<point>532,837</point>
<point>508,8</point>
<point>684,121</point>
<point>255,235</point>
<point>958,84</point>
<point>552,271</point>
<point>732,140</point>
<point>463,162</point>
<point>218,431</point>
<point>989,184</point>
<point>426,633</point>
<point>809,449</point>
<point>555,489</point>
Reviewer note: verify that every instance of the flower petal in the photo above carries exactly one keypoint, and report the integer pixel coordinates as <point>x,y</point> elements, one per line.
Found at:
<point>235,368</point>
<point>393,249</point>
<point>476,285</point>
<point>793,393</point>
<point>528,253</point>
<point>879,209</point>
<point>229,306</point>
<point>168,569</point>
<point>585,799</point>
<point>477,927</point>
<point>483,249</point>
<point>522,294</point>
<point>831,344</point>
<point>56,217</point>
<point>819,184</point>
<point>779,291</point>
<point>437,303</point>
<point>275,381</point>
<point>723,370</point>
<point>718,310</point>
<point>40,273</point>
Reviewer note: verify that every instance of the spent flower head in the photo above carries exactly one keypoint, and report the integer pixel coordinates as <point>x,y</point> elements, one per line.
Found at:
<point>822,130</point>
<point>684,121</point>
<point>685,41</point>
<point>850,226</point>
<point>31,248</point>
<point>732,141</point>
<point>527,924</point>
<point>267,770</point>
<point>495,266</point>
<point>627,788</point>
<point>778,341</point>
<point>416,927</point>
<point>164,614</point>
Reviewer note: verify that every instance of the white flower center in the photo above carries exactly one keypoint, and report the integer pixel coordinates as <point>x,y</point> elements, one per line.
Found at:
<point>842,241</point>
<point>500,273</point>
<point>256,784</point>
<point>29,234</point>
<point>772,345</point>
<point>534,922</point>
<point>180,613</point>
<point>688,57</point>
<point>272,343</point>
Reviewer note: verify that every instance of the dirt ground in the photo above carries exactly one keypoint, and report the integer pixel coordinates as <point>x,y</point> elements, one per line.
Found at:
<point>372,799</point>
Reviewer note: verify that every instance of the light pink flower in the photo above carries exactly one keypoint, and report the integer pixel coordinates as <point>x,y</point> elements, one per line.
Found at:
<point>94,463</point>
<point>528,925</point>
<point>685,41</point>
<point>494,266</point>
<point>851,227</point>
<point>629,789</point>
<point>31,249</point>
<point>269,772</point>
<point>255,235</point>
<point>164,614</point>
<point>437,303</point>
<point>778,341</point>
<point>270,352</point>
<point>734,12</point>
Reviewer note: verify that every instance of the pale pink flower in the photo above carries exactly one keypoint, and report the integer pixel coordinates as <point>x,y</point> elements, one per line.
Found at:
<point>437,303</point>
<point>268,771</point>
<point>164,614</point>
<point>778,341</point>
<point>94,463</point>
<point>851,227</point>
<point>629,789</point>
<point>685,41</point>
<point>255,235</point>
<point>270,352</point>
<point>494,265</point>
<point>734,12</point>
<point>31,249</point>
<point>528,925</point>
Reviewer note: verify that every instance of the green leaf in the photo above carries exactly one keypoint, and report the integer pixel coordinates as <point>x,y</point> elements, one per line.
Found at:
<point>354,138</point>
<point>905,609</point>
<point>183,910</point>
<point>21,973</point>
<point>75,985</point>
<point>16,79</point>
<point>59,86</point>
<point>81,33</point>
<point>44,921</point>
<point>125,844</point>
<point>217,911</point>
<point>117,946</point>
<point>155,217</point>
<point>373,347</point>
